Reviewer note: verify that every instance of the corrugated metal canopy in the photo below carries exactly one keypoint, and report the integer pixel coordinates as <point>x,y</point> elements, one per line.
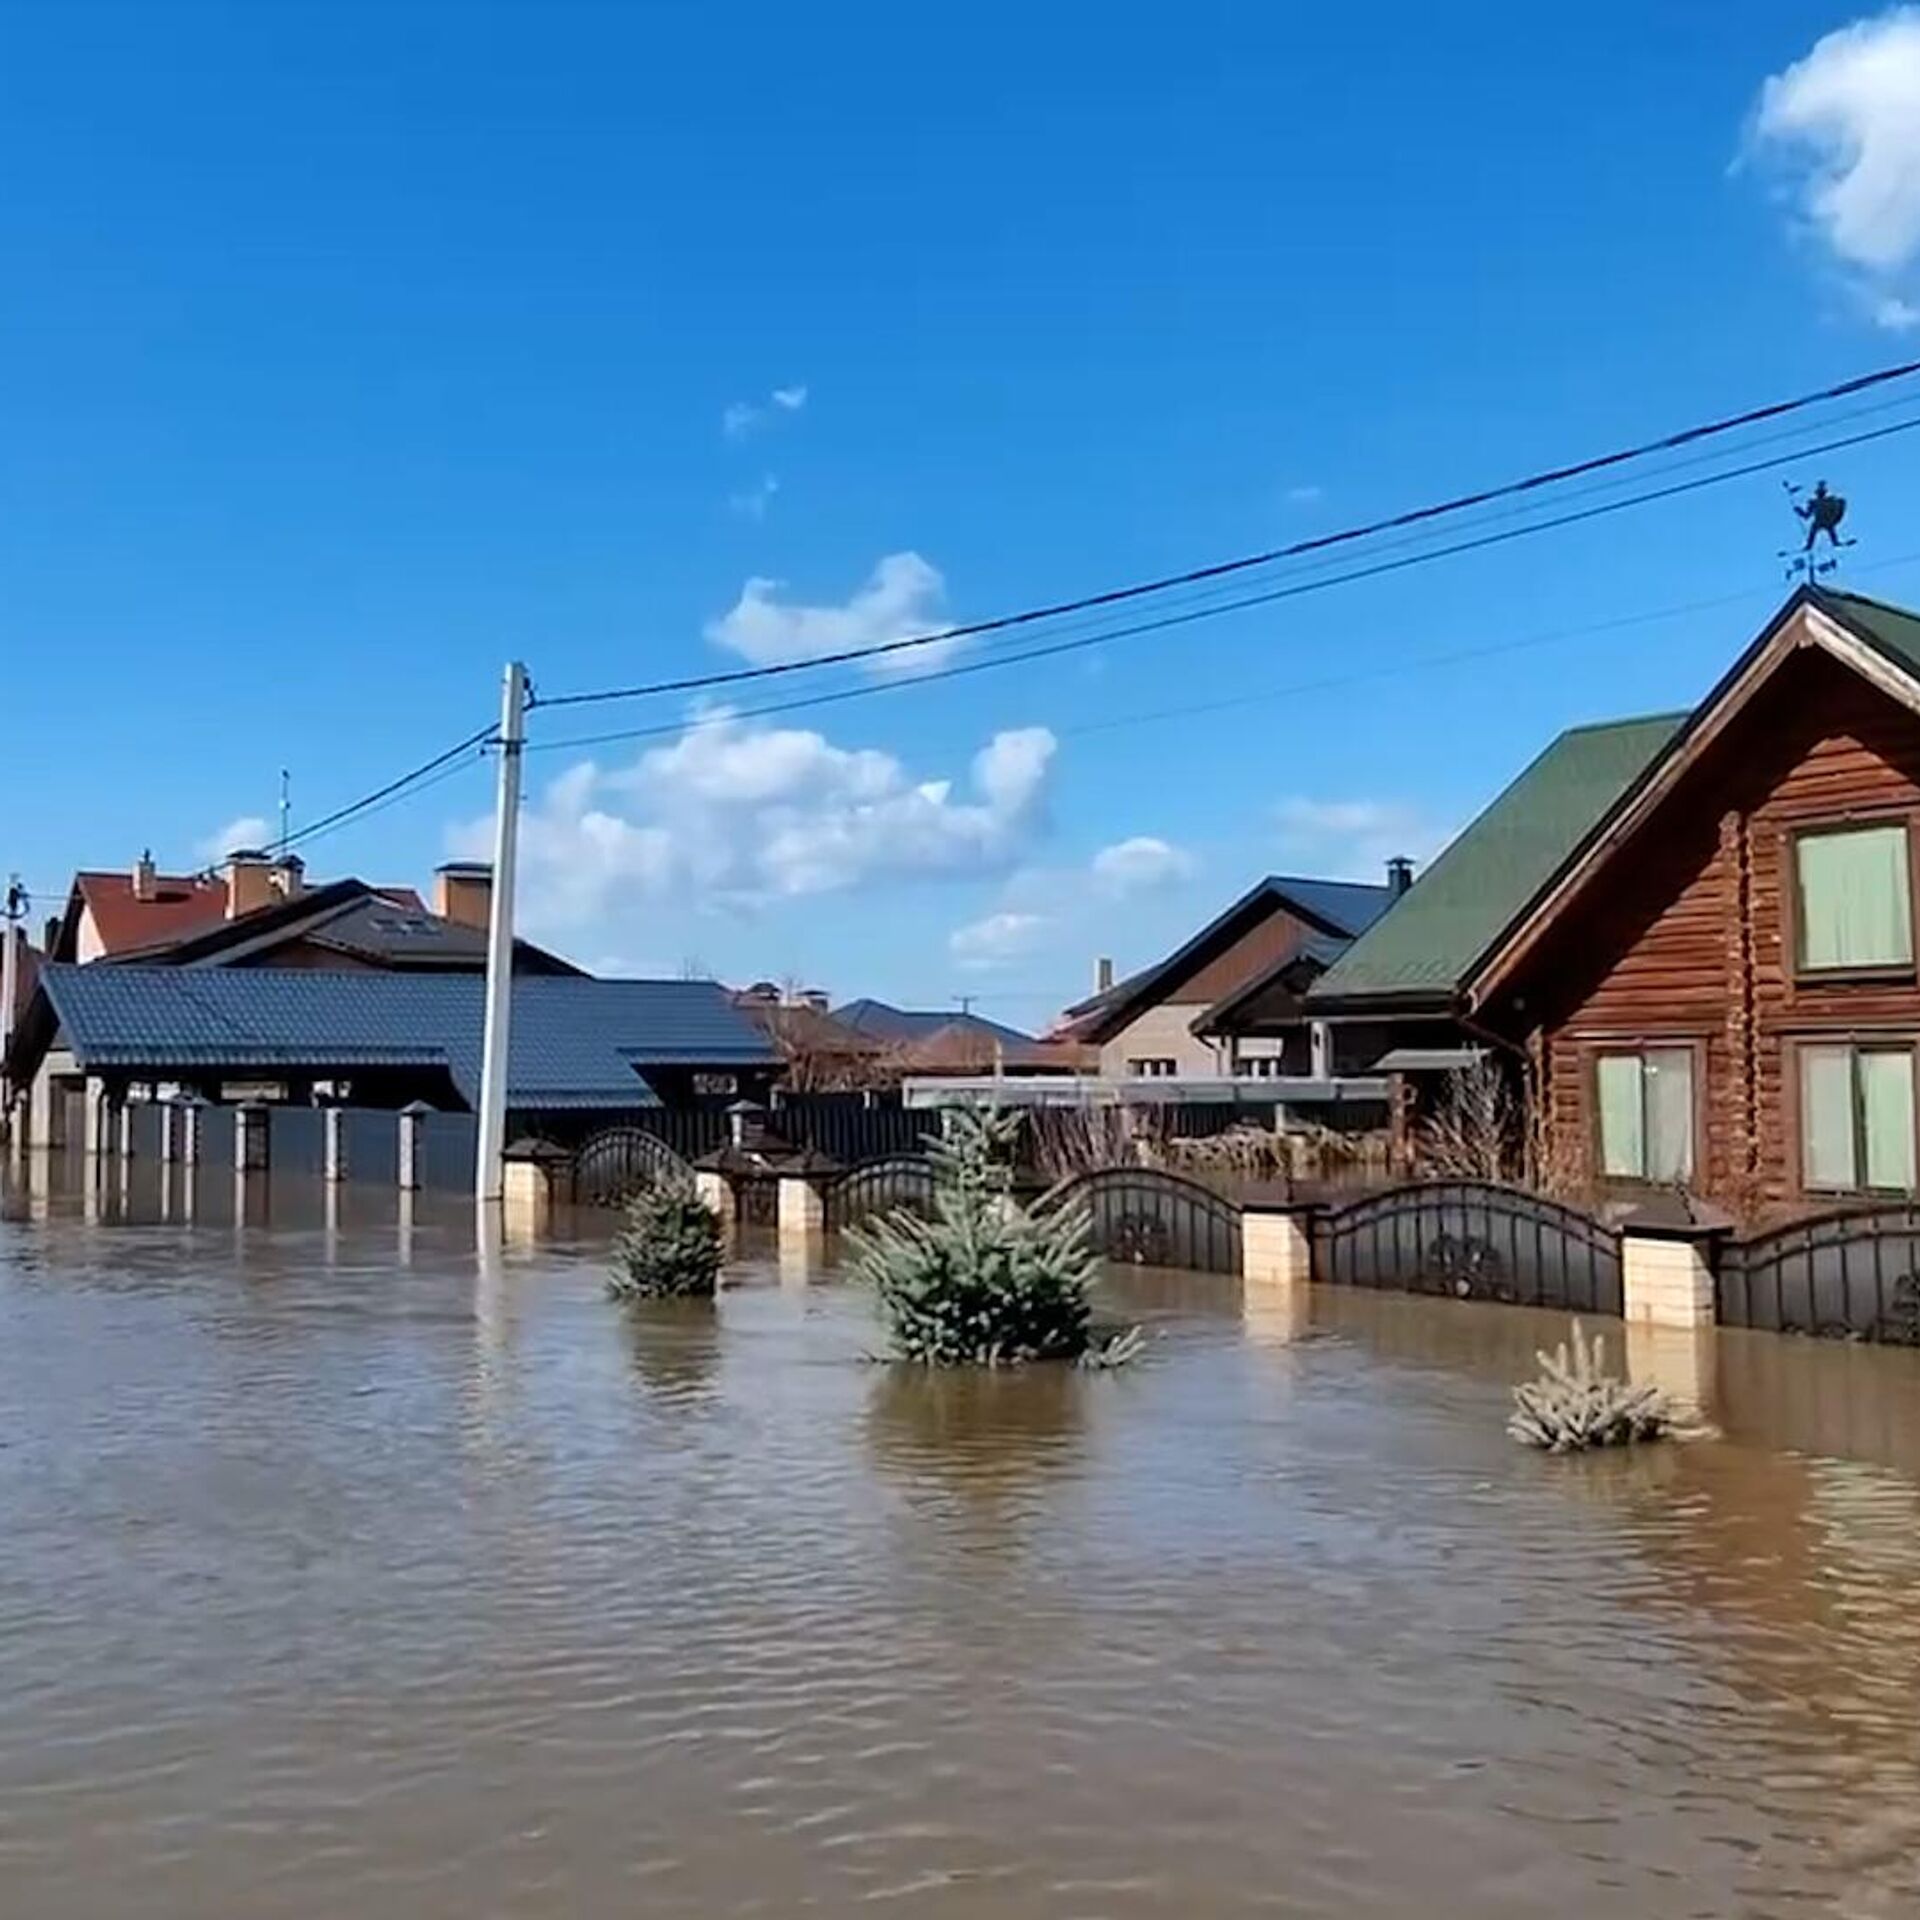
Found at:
<point>576,1042</point>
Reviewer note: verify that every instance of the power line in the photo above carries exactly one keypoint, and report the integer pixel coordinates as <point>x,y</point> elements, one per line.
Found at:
<point>341,815</point>
<point>1194,576</point>
<point>1290,590</point>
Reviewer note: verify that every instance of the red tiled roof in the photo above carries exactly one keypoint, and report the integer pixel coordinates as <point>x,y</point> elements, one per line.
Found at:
<point>182,905</point>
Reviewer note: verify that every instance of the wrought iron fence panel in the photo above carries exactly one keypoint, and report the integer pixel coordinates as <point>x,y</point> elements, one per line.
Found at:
<point>1851,1275</point>
<point>1148,1218</point>
<point>1474,1241</point>
<point>895,1183</point>
<point>614,1164</point>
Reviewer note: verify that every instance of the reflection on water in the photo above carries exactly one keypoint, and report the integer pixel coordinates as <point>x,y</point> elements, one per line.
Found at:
<point>355,1567</point>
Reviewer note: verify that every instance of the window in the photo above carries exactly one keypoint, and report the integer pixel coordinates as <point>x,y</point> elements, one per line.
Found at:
<point>1154,1069</point>
<point>1856,1119</point>
<point>1646,1114</point>
<point>1855,900</point>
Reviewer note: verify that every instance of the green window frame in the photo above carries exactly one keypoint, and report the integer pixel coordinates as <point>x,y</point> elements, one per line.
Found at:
<point>1857,1117</point>
<point>1644,1107</point>
<point>1853,899</point>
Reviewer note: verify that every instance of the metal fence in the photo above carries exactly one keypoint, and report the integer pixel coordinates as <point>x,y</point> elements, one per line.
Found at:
<point>1473,1241</point>
<point>449,1146</point>
<point>896,1182</point>
<point>1148,1218</point>
<point>851,1129</point>
<point>1851,1275</point>
<point>296,1139</point>
<point>612,1165</point>
<point>370,1144</point>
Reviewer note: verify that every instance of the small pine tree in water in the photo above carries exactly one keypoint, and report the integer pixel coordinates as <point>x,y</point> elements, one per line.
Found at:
<point>1576,1403</point>
<point>985,1281</point>
<point>670,1249</point>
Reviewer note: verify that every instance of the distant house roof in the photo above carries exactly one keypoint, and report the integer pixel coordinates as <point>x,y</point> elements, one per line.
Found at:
<point>879,1021</point>
<point>1293,973</point>
<point>1490,874</point>
<point>180,907</point>
<point>1337,909</point>
<point>576,1042</point>
<point>378,926</point>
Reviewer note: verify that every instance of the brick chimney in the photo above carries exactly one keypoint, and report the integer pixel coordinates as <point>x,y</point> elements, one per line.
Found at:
<point>143,880</point>
<point>289,876</point>
<point>249,882</point>
<point>463,892</point>
<point>1102,974</point>
<point>1399,875</point>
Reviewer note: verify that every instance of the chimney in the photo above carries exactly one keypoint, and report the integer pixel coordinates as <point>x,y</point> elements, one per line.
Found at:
<point>1102,974</point>
<point>815,999</point>
<point>143,887</point>
<point>463,892</point>
<point>55,921</point>
<point>1399,875</point>
<point>249,882</point>
<point>288,876</point>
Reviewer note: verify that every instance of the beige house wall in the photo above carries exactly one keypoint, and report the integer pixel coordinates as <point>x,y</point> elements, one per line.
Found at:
<point>1165,1033</point>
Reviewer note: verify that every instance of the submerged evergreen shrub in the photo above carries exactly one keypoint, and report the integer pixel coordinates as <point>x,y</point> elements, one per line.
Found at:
<point>671,1247</point>
<point>985,1281</point>
<point>1576,1403</point>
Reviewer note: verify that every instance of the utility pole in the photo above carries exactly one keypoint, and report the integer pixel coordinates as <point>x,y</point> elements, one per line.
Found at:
<point>488,1172</point>
<point>9,986</point>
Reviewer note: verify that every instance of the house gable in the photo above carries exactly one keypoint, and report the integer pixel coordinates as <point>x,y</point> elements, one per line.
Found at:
<point>1867,639</point>
<point>1684,936</point>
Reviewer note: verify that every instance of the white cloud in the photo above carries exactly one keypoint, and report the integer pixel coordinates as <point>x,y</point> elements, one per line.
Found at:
<point>1895,314</point>
<point>1138,865</point>
<point>744,417</point>
<point>736,815</point>
<point>1305,495</point>
<point>902,597</point>
<point>1844,123</point>
<point>995,939</point>
<point>1353,839</point>
<point>250,830</point>
<point>751,503</point>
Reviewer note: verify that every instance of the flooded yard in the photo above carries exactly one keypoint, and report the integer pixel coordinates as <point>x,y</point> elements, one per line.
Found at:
<point>350,1570</point>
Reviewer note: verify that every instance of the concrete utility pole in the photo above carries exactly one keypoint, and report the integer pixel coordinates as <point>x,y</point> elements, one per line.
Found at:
<point>16,906</point>
<point>488,1171</point>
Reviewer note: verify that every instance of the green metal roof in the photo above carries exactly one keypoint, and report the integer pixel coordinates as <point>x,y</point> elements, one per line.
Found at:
<point>1892,631</point>
<point>1429,941</point>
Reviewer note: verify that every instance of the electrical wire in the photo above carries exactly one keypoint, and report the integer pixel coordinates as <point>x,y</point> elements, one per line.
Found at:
<point>341,815</point>
<point>1113,596</point>
<point>1293,589</point>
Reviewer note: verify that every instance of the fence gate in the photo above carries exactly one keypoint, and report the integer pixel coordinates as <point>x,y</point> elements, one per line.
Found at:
<point>1474,1241</point>
<point>899,1181</point>
<point>1155,1219</point>
<point>1846,1276</point>
<point>613,1165</point>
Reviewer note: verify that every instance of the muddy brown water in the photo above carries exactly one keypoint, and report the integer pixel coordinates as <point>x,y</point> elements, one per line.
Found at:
<point>347,1570</point>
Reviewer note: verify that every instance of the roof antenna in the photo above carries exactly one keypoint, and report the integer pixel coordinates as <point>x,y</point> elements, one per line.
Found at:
<point>1819,512</point>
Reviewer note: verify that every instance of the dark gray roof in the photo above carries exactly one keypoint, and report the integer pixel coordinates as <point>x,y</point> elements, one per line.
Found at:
<point>879,1021</point>
<point>576,1042</point>
<point>1342,908</point>
<point>1453,914</point>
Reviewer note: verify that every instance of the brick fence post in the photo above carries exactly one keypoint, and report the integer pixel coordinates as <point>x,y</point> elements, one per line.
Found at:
<point>1666,1272</point>
<point>1276,1242</point>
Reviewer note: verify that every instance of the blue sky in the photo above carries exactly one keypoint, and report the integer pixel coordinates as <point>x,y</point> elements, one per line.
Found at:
<point>346,350</point>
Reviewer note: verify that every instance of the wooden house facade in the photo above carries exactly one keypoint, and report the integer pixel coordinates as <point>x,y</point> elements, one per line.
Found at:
<point>1716,986</point>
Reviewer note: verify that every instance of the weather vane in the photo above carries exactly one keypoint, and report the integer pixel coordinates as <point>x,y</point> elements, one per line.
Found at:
<point>1820,512</point>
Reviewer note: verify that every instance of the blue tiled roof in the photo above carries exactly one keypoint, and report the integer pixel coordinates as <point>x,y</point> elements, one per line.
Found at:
<point>576,1042</point>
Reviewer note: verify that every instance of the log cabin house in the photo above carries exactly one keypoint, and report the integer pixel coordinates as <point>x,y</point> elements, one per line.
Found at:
<point>1693,936</point>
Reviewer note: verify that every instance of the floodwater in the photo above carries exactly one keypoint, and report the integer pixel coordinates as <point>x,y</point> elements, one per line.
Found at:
<point>348,1571</point>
